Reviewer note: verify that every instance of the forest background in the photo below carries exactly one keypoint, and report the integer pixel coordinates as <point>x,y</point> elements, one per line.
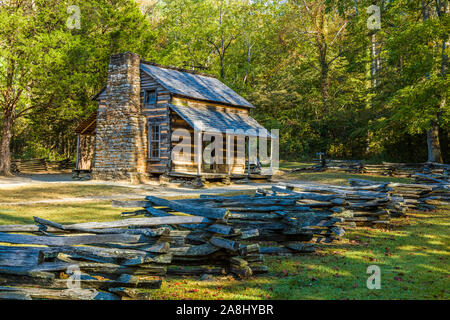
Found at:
<point>355,79</point>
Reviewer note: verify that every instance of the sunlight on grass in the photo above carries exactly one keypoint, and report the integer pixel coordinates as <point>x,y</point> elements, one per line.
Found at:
<point>295,164</point>
<point>61,213</point>
<point>59,191</point>
<point>337,178</point>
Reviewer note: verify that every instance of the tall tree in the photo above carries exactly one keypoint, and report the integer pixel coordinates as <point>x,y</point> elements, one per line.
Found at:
<point>434,146</point>
<point>20,50</point>
<point>325,33</point>
<point>413,98</point>
<point>49,72</point>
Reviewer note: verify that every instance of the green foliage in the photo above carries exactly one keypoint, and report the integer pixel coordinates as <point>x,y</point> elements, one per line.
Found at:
<point>61,69</point>
<point>306,69</point>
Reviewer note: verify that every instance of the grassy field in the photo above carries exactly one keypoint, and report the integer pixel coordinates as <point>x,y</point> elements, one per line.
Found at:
<point>61,213</point>
<point>413,256</point>
<point>58,191</point>
<point>336,178</point>
<point>294,164</point>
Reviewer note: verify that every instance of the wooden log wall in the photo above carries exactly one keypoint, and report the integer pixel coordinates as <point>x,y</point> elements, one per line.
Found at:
<point>190,166</point>
<point>158,114</point>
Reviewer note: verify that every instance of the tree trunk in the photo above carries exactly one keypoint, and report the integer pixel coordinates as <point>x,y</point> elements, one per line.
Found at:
<point>434,147</point>
<point>323,62</point>
<point>376,60</point>
<point>222,71</point>
<point>324,81</point>
<point>5,153</point>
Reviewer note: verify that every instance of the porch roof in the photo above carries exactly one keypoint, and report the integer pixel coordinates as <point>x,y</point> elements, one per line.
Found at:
<point>87,126</point>
<point>213,121</point>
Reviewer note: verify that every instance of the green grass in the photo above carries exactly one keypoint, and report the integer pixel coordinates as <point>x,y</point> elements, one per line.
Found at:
<point>413,255</point>
<point>336,178</point>
<point>61,213</point>
<point>295,164</point>
<point>58,191</point>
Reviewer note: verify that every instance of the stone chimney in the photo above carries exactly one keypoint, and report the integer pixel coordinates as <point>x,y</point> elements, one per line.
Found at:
<point>120,133</point>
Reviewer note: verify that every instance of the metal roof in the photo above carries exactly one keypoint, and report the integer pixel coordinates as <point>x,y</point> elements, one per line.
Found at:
<point>195,86</point>
<point>212,121</point>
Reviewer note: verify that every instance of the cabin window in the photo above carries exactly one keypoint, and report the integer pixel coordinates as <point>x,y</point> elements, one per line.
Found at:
<point>154,140</point>
<point>150,97</point>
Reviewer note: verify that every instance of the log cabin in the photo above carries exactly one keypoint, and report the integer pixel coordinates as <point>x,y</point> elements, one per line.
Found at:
<point>133,133</point>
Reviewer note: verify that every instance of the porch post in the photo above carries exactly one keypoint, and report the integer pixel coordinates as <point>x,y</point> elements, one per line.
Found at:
<point>248,151</point>
<point>271,155</point>
<point>199,152</point>
<point>78,152</point>
<point>230,153</point>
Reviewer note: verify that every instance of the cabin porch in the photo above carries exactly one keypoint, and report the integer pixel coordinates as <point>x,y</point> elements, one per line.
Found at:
<point>198,133</point>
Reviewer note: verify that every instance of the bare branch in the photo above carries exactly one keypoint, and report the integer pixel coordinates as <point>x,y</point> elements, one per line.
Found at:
<point>337,34</point>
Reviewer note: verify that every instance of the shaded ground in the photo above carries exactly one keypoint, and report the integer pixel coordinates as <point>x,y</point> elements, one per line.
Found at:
<point>27,179</point>
<point>61,192</point>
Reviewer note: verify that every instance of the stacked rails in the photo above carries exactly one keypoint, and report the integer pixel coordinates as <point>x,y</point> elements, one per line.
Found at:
<point>251,219</point>
<point>434,178</point>
<point>112,257</point>
<point>405,170</point>
<point>40,165</point>
<point>32,165</point>
<point>402,170</point>
<point>361,206</point>
<point>415,196</point>
<point>355,166</point>
<point>213,247</point>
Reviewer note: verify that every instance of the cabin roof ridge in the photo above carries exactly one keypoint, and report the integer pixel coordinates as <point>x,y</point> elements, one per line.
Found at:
<point>171,67</point>
<point>194,85</point>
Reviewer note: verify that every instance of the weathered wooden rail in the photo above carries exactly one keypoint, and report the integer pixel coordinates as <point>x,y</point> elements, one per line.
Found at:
<point>414,196</point>
<point>386,168</point>
<point>112,256</point>
<point>40,165</point>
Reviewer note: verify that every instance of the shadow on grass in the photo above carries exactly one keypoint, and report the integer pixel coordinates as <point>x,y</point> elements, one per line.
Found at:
<point>61,213</point>
<point>6,218</point>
